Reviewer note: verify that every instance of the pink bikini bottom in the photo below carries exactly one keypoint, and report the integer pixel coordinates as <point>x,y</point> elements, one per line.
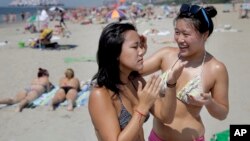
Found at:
<point>154,137</point>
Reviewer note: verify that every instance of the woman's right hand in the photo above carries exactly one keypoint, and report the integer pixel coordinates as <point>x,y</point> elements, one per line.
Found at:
<point>175,72</point>
<point>148,94</point>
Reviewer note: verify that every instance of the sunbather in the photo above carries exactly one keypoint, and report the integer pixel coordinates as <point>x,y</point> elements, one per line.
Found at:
<point>69,87</point>
<point>38,86</point>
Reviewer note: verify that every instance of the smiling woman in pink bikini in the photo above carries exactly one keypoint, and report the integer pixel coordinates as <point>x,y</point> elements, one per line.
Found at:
<point>202,83</point>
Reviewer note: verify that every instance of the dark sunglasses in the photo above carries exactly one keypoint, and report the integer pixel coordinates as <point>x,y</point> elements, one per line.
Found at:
<point>193,10</point>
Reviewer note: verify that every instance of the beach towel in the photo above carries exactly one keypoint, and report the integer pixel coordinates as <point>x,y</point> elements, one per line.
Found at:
<point>80,59</point>
<point>221,136</point>
<point>55,46</point>
<point>44,99</point>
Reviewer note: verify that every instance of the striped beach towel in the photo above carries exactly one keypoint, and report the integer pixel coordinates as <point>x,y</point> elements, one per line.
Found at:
<point>44,99</point>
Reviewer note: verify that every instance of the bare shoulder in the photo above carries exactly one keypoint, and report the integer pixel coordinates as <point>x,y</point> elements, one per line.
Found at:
<point>165,54</point>
<point>99,94</point>
<point>168,50</point>
<point>215,70</point>
<point>217,66</point>
<point>76,79</point>
<point>99,101</point>
<point>169,56</point>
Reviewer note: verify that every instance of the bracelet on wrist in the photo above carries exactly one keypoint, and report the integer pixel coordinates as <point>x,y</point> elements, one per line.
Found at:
<point>140,113</point>
<point>171,85</point>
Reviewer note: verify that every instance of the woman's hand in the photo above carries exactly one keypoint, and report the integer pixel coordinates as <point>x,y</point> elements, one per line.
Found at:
<point>175,72</point>
<point>144,44</point>
<point>205,99</point>
<point>148,94</point>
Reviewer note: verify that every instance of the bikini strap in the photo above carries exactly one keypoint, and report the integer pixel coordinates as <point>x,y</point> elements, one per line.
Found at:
<point>202,66</point>
<point>203,61</point>
<point>119,96</point>
<point>172,66</point>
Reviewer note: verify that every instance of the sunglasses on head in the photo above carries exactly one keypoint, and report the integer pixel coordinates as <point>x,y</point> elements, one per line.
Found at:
<point>193,10</point>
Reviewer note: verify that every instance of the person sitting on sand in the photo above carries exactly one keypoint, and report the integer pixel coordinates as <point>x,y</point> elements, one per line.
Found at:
<point>69,87</point>
<point>30,28</point>
<point>38,86</point>
<point>44,40</point>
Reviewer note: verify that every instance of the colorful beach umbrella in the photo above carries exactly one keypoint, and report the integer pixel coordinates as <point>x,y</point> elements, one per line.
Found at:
<point>115,14</point>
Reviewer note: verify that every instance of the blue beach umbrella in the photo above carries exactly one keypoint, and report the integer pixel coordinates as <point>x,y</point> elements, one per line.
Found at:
<point>123,7</point>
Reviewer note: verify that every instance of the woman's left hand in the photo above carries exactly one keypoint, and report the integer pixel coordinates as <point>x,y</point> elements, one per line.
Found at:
<point>205,99</point>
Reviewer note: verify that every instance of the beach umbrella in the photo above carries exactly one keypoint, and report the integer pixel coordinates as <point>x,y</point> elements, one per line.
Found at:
<point>56,8</point>
<point>31,19</point>
<point>115,14</point>
<point>123,7</point>
<point>43,16</point>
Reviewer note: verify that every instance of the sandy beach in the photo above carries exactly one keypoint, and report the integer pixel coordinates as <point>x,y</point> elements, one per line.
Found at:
<point>19,66</point>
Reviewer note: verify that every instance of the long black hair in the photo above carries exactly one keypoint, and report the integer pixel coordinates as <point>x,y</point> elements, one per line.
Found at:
<point>109,50</point>
<point>200,17</point>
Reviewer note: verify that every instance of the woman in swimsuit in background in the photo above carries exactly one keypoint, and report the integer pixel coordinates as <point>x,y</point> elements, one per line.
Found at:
<point>38,86</point>
<point>69,88</point>
<point>203,82</point>
<point>120,99</point>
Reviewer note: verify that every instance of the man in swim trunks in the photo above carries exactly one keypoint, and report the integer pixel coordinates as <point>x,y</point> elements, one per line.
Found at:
<point>69,88</point>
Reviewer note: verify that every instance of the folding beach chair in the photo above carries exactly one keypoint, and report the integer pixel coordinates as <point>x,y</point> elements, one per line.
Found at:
<point>44,40</point>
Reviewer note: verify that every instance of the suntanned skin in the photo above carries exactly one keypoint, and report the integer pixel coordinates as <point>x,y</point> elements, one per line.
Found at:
<point>187,124</point>
<point>138,97</point>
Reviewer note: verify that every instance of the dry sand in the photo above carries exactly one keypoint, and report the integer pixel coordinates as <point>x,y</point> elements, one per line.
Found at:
<point>19,66</point>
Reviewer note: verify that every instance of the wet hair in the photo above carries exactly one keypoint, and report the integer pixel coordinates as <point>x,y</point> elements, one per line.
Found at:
<point>199,17</point>
<point>42,72</point>
<point>69,73</point>
<point>109,50</point>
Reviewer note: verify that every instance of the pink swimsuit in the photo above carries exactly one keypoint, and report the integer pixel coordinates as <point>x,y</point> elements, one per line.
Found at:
<point>154,137</point>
